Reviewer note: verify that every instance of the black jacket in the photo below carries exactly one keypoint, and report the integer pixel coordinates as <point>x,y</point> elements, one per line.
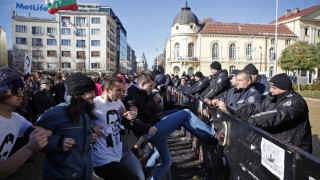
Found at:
<point>176,83</point>
<point>199,86</point>
<point>42,100</point>
<point>218,84</point>
<point>286,116</point>
<point>262,85</point>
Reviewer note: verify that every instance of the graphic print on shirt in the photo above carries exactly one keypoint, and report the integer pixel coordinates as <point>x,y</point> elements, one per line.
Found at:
<point>113,128</point>
<point>6,146</point>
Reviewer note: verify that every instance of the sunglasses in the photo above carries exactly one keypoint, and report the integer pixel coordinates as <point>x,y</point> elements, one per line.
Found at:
<point>16,91</point>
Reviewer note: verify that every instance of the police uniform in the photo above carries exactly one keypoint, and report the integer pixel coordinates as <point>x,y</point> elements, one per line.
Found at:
<point>218,84</point>
<point>237,98</point>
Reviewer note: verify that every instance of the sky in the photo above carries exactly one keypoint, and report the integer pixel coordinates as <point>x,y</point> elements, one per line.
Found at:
<point>148,22</point>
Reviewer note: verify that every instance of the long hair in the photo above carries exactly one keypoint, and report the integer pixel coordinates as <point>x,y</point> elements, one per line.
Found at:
<point>77,106</point>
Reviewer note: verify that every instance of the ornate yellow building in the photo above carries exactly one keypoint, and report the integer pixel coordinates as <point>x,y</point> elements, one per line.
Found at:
<point>193,46</point>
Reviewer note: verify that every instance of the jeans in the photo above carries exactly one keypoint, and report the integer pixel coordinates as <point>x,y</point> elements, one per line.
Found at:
<point>170,123</point>
<point>133,163</point>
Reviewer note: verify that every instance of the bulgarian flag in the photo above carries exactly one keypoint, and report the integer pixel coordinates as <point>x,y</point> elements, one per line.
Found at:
<point>56,5</point>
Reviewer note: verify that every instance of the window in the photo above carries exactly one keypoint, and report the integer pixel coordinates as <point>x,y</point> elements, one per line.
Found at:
<point>303,73</point>
<point>65,20</point>
<point>287,42</point>
<point>191,26</point>
<point>21,28</point>
<point>37,30</point>
<point>80,54</point>
<point>95,31</point>
<point>81,66</point>
<point>108,44</point>
<point>51,65</point>
<point>95,21</point>
<point>20,40</point>
<point>65,31</point>
<point>65,42</point>
<point>108,55</point>
<point>81,43</point>
<point>231,68</point>
<point>271,71</point>
<point>52,53</point>
<point>272,41</point>
<point>190,71</point>
<point>51,30</point>
<point>80,21</point>
<point>37,54</point>
<point>177,50</point>
<point>249,51</point>
<point>95,43</point>
<point>66,54</point>
<point>95,65</point>
<point>272,53</point>
<point>318,32</point>
<point>177,27</point>
<point>232,51</point>
<point>51,42</point>
<point>66,65</point>
<point>215,50</point>
<point>36,42</point>
<point>190,50</point>
<point>95,54</point>
<point>81,32</point>
<point>306,31</point>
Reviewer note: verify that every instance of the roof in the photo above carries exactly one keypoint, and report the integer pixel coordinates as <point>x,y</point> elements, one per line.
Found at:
<point>186,16</point>
<point>297,14</point>
<point>245,29</point>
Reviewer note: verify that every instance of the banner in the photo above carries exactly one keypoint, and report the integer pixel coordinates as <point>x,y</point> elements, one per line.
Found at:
<point>27,63</point>
<point>56,5</point>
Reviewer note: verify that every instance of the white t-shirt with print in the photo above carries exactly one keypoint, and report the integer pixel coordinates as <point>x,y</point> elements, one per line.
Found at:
<point>106,150</point>
<point>10,129</point>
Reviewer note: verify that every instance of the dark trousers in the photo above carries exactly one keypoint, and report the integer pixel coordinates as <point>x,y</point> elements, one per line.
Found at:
<point>115,171</point>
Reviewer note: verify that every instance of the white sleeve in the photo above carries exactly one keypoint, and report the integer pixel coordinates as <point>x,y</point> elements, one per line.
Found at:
<point>24,125</point>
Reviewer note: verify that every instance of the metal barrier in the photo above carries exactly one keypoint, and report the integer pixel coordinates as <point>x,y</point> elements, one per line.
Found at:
<point>249,152</point>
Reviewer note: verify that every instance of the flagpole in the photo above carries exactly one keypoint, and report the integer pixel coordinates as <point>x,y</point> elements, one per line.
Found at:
<point>276,42</point>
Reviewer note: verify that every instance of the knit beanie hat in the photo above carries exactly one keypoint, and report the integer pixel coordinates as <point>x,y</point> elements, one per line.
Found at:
<point>215,65</point>
<point>9,79</point>
<point>251,69</point>
<point>198,74</point>
<point>233,73</point>
<point>281,81</point>
<point>79,84</point>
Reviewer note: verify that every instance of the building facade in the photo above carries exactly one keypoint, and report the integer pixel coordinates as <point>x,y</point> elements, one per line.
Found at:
<point>142,64</point>
<point>193,46</point>
<point>75,41</point>
<point>3,48</point>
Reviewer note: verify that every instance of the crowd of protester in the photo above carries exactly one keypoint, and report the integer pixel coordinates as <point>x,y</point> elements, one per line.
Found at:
<point>82,122</point>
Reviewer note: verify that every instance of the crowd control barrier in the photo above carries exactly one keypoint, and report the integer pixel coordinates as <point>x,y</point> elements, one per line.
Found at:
<point>247,152</point>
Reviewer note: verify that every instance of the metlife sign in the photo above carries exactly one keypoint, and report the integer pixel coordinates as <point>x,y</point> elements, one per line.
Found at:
<point>32,7</point>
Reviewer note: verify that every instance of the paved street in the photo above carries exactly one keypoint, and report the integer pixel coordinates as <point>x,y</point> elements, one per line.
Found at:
<point>314,115</point>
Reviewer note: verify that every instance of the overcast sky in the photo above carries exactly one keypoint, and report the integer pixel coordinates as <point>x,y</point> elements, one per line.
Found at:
<point>148,22</point>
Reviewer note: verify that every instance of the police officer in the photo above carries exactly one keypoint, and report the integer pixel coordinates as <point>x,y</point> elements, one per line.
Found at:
<point>261,83</point>
<point>176,82</point>
<point>241,95</point>
<point>283,113</point>
<point>183,86</point>
<point>200,85</point>
<point>218,82</point>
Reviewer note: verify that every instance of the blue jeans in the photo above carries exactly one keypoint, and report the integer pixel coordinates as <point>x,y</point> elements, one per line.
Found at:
<point>170,123</point>
<point>133,163</point>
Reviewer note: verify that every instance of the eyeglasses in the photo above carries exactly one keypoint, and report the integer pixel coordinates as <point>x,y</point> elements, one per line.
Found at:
<point>16,91</point>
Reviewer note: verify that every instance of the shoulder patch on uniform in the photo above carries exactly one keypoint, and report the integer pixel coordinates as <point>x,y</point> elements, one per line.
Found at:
<point>290,95</point>
<point>219,80</point>
<point>252,90</point>
<point>251,99</point>
<point>288,103</point>
<point>200,83</point>
<point>266,93</point>
<point>240,102</point>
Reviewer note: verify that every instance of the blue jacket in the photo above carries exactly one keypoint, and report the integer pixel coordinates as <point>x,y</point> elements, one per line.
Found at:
<point>262,85</point>
<point>238,98</point>
<point>75,163</point>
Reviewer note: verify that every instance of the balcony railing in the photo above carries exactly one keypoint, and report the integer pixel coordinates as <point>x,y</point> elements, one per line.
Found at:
<point>183,59</point>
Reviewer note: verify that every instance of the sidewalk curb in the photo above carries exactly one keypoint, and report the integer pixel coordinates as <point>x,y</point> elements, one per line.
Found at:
<point>312,99</point>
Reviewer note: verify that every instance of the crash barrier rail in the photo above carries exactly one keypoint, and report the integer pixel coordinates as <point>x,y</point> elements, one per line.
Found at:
<point>245,152</point>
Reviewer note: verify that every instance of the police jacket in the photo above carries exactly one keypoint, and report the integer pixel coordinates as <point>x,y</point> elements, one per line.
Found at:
<point>218,84</point>
<point>286,116</point>
<point>237,98</point>
<point>176,83</point>
<point>160,79</point>
<point>262,85</point>
<point>76,163</point>
<point>191,82</point>
<point>199,86</point>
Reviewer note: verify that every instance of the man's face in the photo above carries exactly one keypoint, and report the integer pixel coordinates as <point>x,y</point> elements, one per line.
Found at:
<point>148,86</point>
<point>89,96</point>
<point>192,77</point>
<point>254,77</point>
<point>213,71</point>
<point>276,91</point>
<point>45,86</point>
<point>183,82</point>
<point>242,82</point>
<point>15,100</point>
<point>233,80</point>
<point>197,78</point>
<point>116,92</point>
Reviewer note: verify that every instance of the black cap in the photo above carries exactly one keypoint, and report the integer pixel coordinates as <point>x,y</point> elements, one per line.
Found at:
<point>198,74</point>
<point>79,84</point>
<point>45,81</point>
<point>281,81</point>
<point>233,73</point>
<point>251,69</point>
<point>215,65</point>
<point>176,76</point>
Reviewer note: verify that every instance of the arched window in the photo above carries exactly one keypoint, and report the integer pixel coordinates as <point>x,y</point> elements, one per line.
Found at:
<point>249,51</point>
<point>176,70</point>
<point>215,50</point>
<point>231,68</point>
<point>232,51</point>
<point>271,71</point>
<point>190,71</point>
<point>190,50</point>
<point>177,50</point>
<point>272,53</point>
